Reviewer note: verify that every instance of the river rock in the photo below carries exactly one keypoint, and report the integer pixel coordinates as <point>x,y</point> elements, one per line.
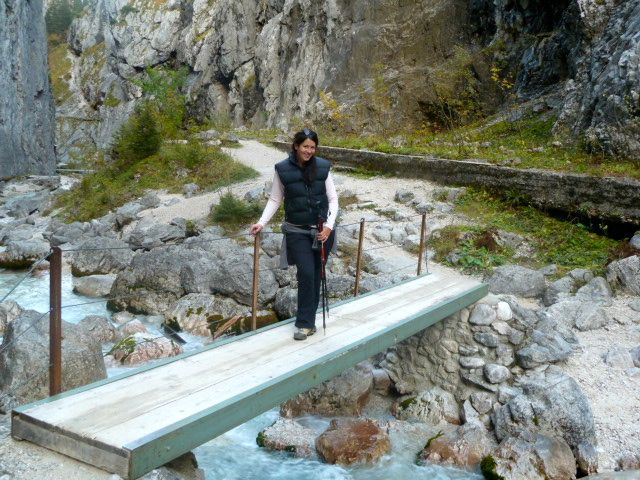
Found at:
<point>552,404</point>
<point>100,256</point>
<point>156,279</point>
<point>9,311</point>
<point>353,441</point>
<point>289,436</point>
<point>141,347</point>
<point>533,456</point>
<point>346,394</point>
<point>93,285</point>
<point>201,313</point>
<point>431,406</point>
<point>23,254</point>
<point>131,328</point>
<point>462,447</point>
<point>24,359</point>
<point>100,328</point>
<point>517,280</point>
<point>626,273</point>
<point>151,236</point>
<point>21,206</point>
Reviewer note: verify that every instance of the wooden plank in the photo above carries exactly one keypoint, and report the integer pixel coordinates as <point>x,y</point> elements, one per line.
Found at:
<point>271,362</point>
<point>174,440</point>
<point>179,379</point>
<point>103,456</point>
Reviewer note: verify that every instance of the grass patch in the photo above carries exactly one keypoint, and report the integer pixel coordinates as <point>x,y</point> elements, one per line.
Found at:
<point>60,71</point>
<point>569,245</point>
<point>524,143</point>
<point>170,168</point>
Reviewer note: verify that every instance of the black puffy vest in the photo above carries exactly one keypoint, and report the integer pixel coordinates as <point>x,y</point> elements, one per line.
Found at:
<point>304,203</point>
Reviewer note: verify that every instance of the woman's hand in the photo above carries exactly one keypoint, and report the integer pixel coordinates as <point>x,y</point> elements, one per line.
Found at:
<point>324,234</point>
<point>255,228</point>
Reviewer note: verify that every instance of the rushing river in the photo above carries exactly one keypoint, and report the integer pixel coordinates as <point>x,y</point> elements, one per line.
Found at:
<point>236,455</point>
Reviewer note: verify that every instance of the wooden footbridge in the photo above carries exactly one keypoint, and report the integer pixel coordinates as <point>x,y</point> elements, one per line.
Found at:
<point>138,421</point>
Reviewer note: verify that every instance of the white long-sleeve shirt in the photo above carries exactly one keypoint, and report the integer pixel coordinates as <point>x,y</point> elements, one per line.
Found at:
<point>277,195</point>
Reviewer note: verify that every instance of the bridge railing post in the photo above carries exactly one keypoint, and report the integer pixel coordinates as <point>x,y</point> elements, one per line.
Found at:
<point>256,280</point>
<point>356,288</point>
<point>423,231</point>
<point>55,322</point>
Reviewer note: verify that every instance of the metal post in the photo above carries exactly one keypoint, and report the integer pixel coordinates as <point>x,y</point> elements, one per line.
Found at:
<point>55,322</point>
<point>423,231</point>
<point>359,258</point>
<point>256,279</point>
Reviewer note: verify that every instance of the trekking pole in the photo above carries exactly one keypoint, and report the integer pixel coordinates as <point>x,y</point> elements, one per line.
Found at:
<point>323,278</point>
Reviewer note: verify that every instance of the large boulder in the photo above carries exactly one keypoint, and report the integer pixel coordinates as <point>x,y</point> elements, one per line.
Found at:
<point>552,404</point>
<point>533,456</point>
<point>100,256</point>
<point>626,273</point>
<point>156,279</point>
<point>517,280</point>
<point>353,441</point>
<point>346,394</point>
<point>24,359</point>
<point>28,203</point>
<point>22,254</point>
<point>9,311</point>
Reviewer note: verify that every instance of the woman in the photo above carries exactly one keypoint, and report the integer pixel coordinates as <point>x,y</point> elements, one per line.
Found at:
<point>305,183</point>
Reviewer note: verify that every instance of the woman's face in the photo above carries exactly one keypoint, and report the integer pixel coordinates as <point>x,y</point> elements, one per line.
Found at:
<point>305,150</point>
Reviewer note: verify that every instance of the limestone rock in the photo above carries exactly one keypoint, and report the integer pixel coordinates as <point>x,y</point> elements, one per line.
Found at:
<point>462,447</point>
<point>533,456</point>
<point>9,311</point>
<point>100,328</point>
<point>352,441</point>
<point>25,351</point>
<point>201,313</point>
<point>431,406</point>
<point>346,394</point>
<point>27,122</point>
<point>516,280</point>
<point>142,347</point>
<point>551,404</point>
<point>289,436</point>
<point>626,273</point>
<point>100,256</point>
<point>93,285</point>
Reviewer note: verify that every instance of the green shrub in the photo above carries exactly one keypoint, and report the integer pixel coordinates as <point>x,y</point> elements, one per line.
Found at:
<point>232,212</point>
<point>138,138</point>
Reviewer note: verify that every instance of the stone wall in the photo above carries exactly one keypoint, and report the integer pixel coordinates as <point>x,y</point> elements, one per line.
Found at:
<point>27,112</point>
<point>611,199</point>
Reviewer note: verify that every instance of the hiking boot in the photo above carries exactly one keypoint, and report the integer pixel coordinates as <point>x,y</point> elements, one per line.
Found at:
<point>303,333</point>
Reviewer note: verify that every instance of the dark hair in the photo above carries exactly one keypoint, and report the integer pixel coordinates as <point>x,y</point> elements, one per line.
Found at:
<point>309,169</point>
<point>301,136</point>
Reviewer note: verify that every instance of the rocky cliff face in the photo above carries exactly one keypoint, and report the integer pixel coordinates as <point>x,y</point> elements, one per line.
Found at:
<point>357,65</point>
<point>26,113</point>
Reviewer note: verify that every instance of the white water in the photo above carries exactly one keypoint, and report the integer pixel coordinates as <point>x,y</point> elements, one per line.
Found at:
<point>236,455</point>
